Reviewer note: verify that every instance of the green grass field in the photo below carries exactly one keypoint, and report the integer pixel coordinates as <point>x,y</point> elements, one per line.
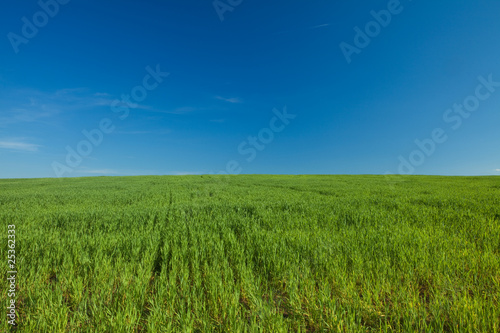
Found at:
<point>253,254</point>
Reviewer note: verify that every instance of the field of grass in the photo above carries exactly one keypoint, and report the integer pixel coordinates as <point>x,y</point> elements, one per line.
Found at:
<point>253,254</point>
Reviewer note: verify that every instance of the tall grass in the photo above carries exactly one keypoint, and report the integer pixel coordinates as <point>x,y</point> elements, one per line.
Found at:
<point>254,254</point>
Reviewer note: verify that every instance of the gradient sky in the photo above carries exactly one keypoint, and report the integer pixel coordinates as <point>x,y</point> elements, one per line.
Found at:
<point>226,78</point>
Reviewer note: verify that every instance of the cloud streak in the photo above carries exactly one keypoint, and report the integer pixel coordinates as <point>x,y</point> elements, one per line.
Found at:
<point>142,132</point>
<point>32,105</point>
<point>179,110</point>
<point>101,172</point>
<point>233,100</point>
<point>303,29</point>
<point>18,146</point>
<point>187,173</point>
<point>318,26</point>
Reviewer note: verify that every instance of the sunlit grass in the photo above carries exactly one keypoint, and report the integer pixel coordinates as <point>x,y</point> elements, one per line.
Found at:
<point>254,253</point>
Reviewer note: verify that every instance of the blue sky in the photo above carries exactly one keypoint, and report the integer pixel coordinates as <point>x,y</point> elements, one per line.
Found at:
<point>278,63</point>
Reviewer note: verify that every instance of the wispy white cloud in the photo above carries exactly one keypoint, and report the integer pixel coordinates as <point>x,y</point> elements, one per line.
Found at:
<point>18,145</point>
<point>179,110</point>
<point>302,29</point>
<point>319,26</point>
<point>185,109</point>
<point>234,100</point>
<point>132,132</point>
<point>20,115</point>
<point>101,94</point>
<point>100,172</point>
<point>80,98</point>
<point>31,105</point>
<point>142,132</point>
<point>497,170</point>
<point>218,120</point>
<point>74,97</point>
<point>187,173</point>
